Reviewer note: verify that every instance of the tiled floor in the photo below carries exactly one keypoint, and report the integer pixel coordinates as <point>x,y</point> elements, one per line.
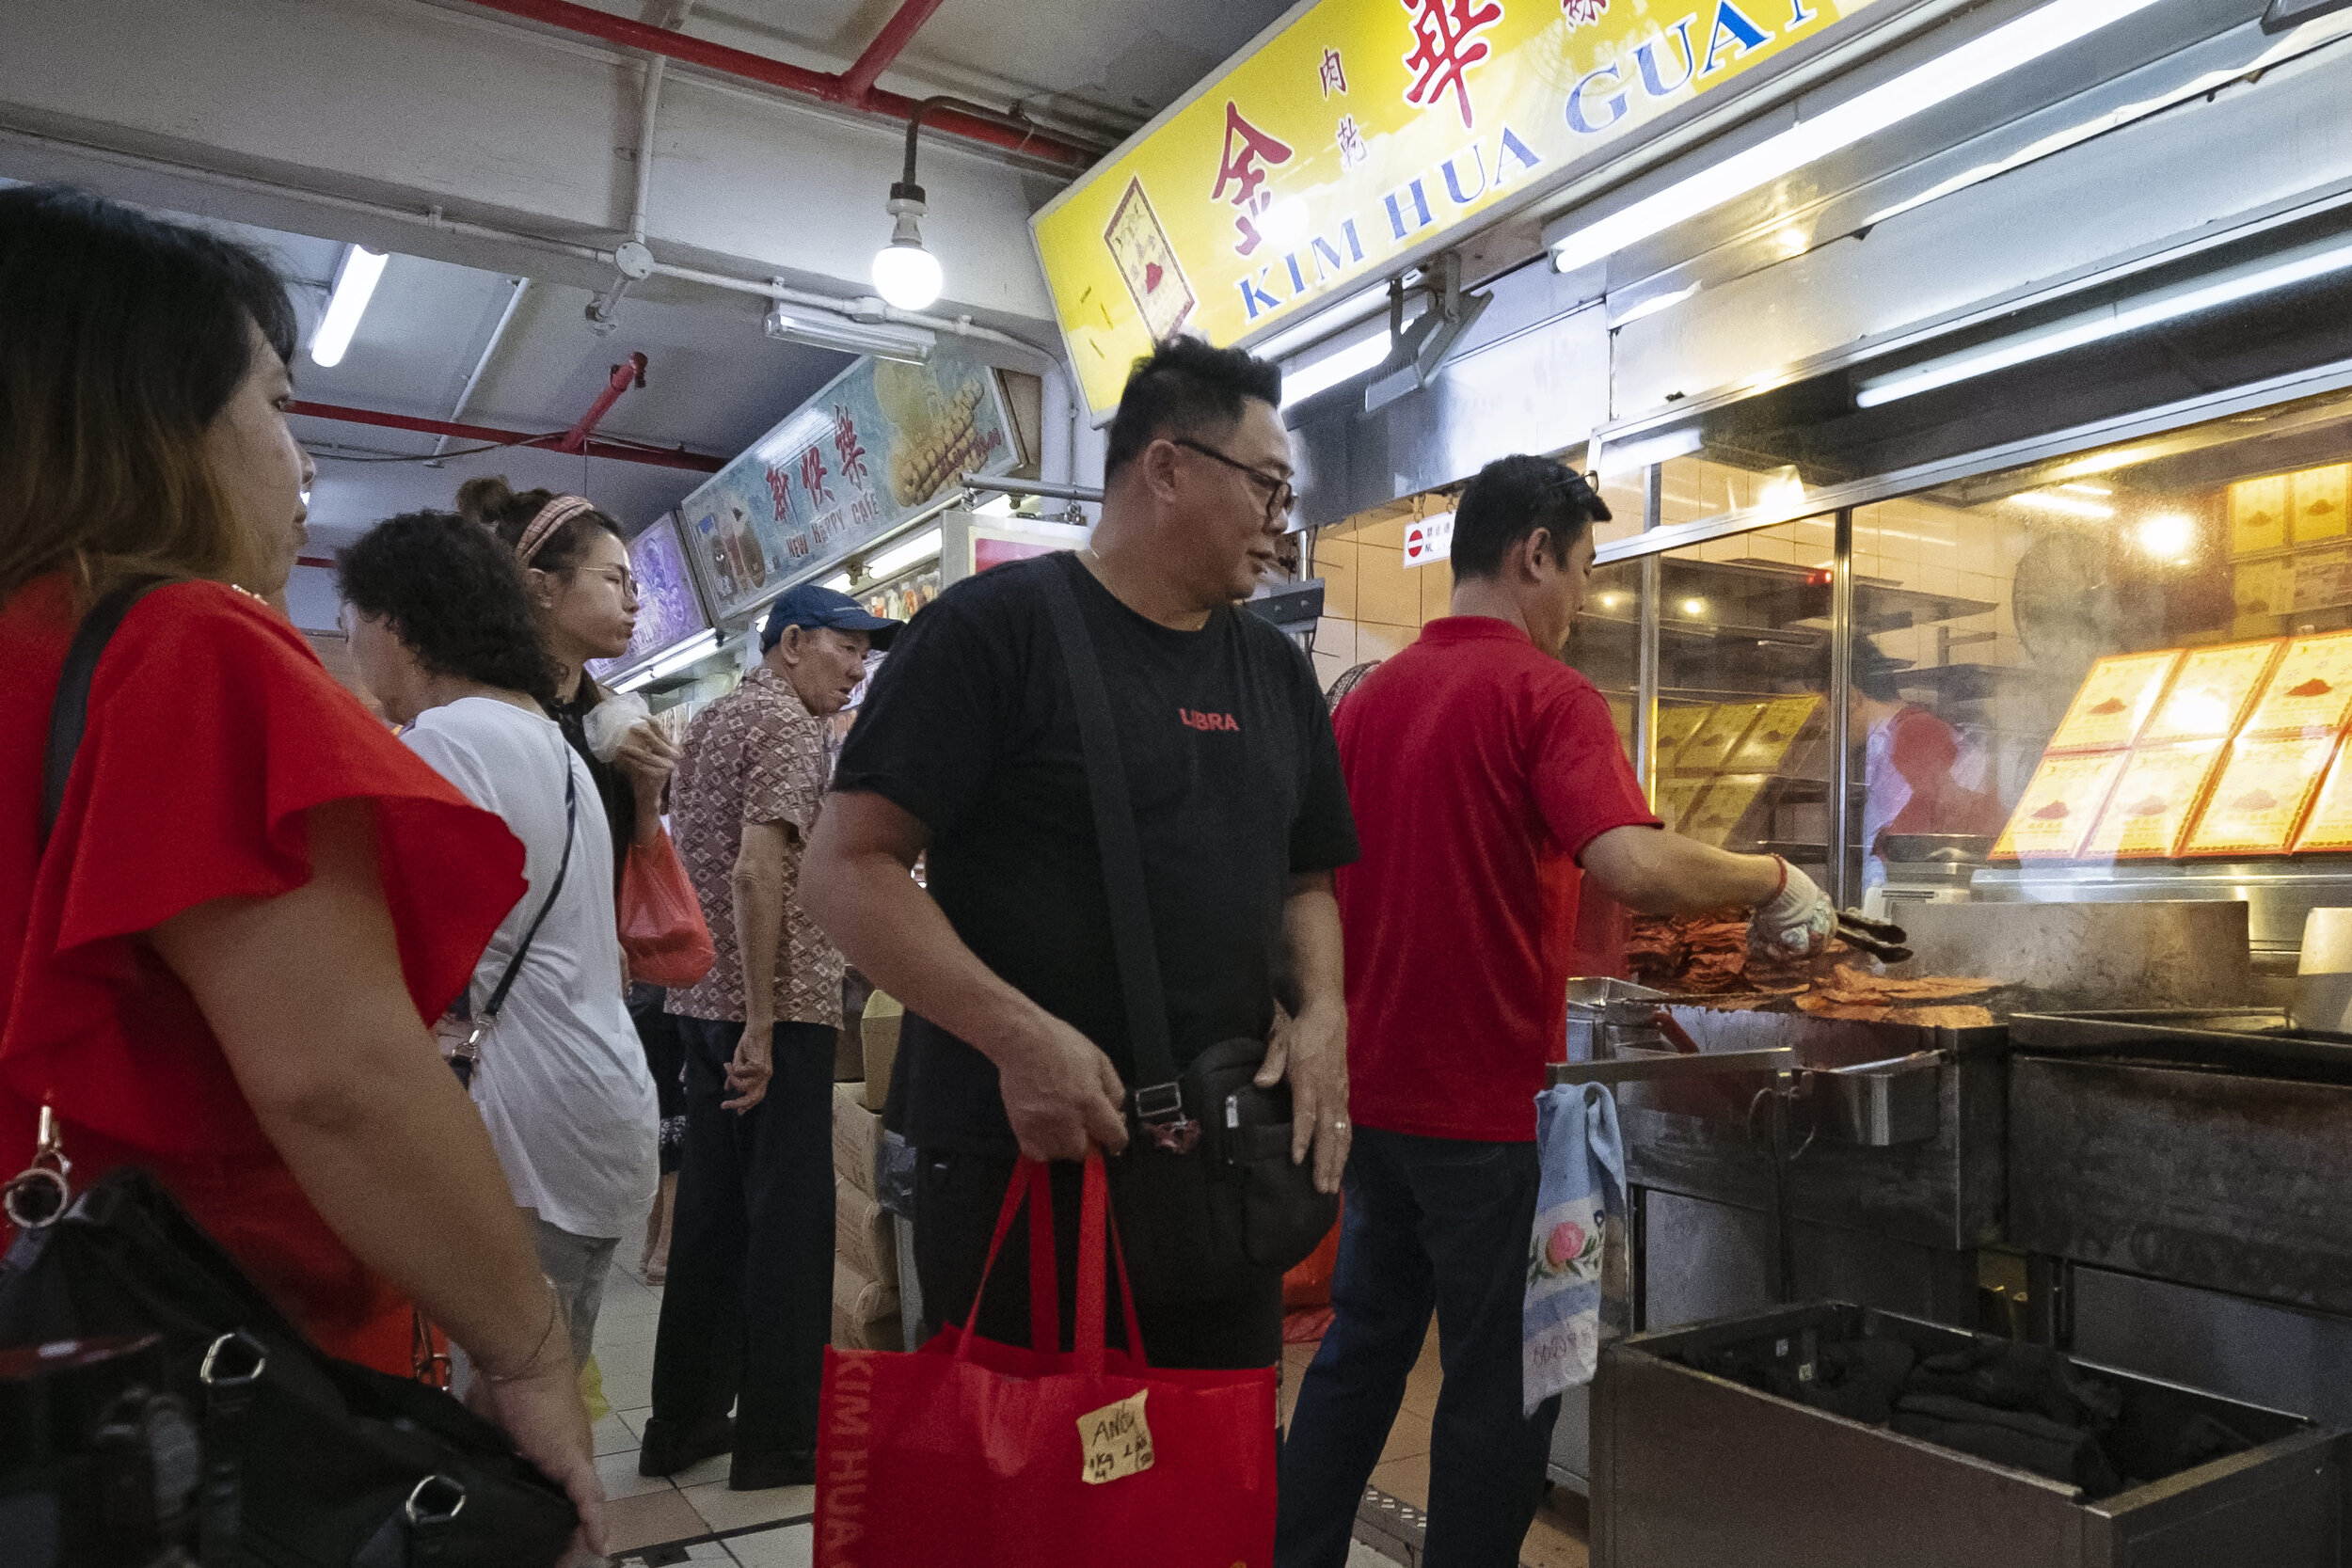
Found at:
<point>1556,1540</point>
<point>772,1529</point>
<point>694,1505</point>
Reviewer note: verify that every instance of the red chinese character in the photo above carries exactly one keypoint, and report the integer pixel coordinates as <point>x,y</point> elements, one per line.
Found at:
<point>844,445</point>
<point>779,490</point>
<point>1583,13</point>
<point>1352,149</point>
<point>1443,49</point>
<point>1240,169</point>
<point>813,478</point>
<point>1335,74</point>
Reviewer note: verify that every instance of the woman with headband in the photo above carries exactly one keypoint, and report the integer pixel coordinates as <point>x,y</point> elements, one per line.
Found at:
<point>576,564</point>
<point>576,567</point>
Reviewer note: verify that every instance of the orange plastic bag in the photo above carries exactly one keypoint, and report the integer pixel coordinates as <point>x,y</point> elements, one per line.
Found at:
<point>1309,1283</point>
<point>662,921</point>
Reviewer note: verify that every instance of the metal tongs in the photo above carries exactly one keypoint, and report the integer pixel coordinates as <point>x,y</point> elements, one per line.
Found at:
<point>1882,939</point>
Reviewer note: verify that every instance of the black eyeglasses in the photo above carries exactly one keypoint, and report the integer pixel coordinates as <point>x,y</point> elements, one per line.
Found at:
<point>1281,497</point>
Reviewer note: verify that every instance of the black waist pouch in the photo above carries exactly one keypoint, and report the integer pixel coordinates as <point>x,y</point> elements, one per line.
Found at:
<point>1202,1223</point>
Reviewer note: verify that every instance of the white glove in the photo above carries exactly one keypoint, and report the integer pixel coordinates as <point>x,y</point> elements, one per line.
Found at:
<point>1797,921</point>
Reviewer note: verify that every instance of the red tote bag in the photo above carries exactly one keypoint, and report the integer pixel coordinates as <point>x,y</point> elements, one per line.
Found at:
<point>971,1454</point>
<point>663,929</point>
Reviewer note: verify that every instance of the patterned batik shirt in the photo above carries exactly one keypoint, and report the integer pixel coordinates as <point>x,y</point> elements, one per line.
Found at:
<point>756,755</point>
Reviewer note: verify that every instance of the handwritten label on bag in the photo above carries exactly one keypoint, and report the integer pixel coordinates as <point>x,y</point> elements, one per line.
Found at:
<point>1116,1441</point>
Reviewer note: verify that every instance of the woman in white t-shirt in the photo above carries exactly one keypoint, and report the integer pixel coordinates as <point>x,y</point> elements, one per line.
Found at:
<point>442,633</point>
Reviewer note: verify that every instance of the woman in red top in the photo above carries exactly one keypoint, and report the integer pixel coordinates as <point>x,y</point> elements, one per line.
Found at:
<point>220,965</point>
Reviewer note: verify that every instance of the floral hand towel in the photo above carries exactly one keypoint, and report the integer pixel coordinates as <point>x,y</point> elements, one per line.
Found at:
<point>1582,1161</point>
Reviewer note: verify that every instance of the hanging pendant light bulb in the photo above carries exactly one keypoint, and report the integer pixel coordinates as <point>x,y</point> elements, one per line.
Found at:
<point>905,274</point>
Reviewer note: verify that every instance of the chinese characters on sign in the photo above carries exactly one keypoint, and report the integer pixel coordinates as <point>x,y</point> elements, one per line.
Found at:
<point>1335,74</point>
<point>876,445</point>
<point>813,478</point>
<point>845,445</point>
<point>1255,198</point>
<point>1351,140</point>
<point>1444,48</point>
<point>1245,144</point>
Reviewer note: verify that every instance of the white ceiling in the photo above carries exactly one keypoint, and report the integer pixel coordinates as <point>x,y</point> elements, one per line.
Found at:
<point>1114,63</point>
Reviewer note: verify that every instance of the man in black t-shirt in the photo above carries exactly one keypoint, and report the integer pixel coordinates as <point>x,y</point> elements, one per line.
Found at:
<point>967,753</point>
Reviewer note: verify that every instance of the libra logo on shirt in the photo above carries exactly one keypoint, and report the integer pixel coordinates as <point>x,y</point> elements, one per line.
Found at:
<point>1195,719</point>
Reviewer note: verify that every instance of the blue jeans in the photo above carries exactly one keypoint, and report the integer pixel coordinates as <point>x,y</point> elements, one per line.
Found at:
<point>1431,1223</point>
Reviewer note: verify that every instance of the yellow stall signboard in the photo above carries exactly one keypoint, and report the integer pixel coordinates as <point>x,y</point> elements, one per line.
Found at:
<point>1358,132</point>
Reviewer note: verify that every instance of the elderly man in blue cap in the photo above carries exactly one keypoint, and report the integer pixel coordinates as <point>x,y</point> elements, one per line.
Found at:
<point>748,1307</point>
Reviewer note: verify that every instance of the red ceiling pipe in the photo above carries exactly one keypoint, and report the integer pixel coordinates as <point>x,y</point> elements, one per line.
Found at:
<point>895,35</point>
<point>624,376</point>
<point>718,57</point>
<point>621,451</point>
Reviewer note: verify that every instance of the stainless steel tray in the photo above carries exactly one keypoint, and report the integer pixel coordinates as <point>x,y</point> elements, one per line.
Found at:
<point>2249,1038</point>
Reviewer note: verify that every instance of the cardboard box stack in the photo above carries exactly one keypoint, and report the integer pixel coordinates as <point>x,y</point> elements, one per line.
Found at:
<point>866,1258</point>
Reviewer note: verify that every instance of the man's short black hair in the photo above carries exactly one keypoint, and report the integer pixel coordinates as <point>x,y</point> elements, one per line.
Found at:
<point>1186,388</point>
<point>1512,498</point>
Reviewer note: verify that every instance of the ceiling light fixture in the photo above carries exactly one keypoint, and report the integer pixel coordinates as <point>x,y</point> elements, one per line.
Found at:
<point>823,329</point>
<point>355,285</point>
<point>905,274</point>
<point>838,582</point>
<point>1323,374</point>
<point>2066,506</point>
<point>2301,265</point>
<point>899,557</point>
<point>700,648</point>
<point>1922,87</point>
<point>2168,535</point>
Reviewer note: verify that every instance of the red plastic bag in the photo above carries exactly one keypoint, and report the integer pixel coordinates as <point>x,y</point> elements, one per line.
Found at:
<point>969,1454</point>
<point>662,921</point>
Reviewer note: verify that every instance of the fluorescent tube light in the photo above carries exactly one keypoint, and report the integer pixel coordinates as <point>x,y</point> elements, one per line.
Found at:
<point>678,659</point>
<point>1323,374</point>
<point>1922,87</point>
<point>838,582</point>
<point>899,557</point>
<point>2109,320</point>
<point>819,329</point>
<point>2065,506</point>
<point>355,285</point>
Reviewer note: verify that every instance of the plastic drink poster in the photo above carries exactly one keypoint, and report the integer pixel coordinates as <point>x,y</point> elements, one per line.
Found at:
<point>669,610</point>
<point>2310,690</point>
<point>880,442</point>
<point>2058,808</point>
<point>1712,746</point>
<point>1676,797</point>
<point>1675,726</point>
<point>2212,692</point>
<point>1768,743</point>
<point>2257,515</point>
<point>2319,502</point>
<point>2329,826</point>
<point>2258,801</point>
<point>2115,700</point>
<point>1728,803</point>
<point>2160,787</point>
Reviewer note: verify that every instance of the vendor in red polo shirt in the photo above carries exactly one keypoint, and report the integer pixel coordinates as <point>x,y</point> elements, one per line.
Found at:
<point>1484,774</point>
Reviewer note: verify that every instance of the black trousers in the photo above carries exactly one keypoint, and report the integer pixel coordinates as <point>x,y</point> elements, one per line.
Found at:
<point>956,1200</point>
<point>749,1304</point>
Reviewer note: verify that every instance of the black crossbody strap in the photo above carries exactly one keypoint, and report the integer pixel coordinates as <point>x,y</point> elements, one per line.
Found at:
<point>515,964</point>
<point>1123,857</point>
<point>69,712</point>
